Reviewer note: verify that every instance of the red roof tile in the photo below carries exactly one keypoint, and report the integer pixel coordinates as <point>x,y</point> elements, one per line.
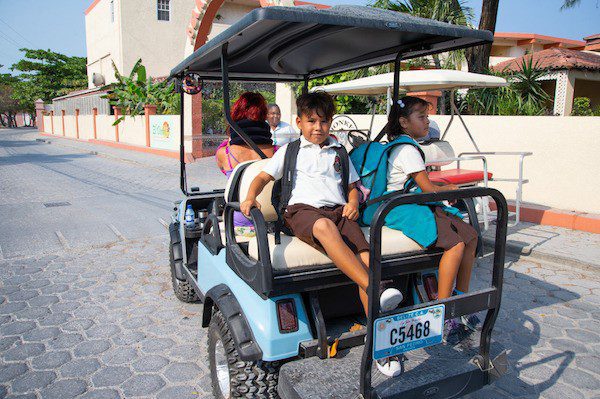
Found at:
<point>554,58</point>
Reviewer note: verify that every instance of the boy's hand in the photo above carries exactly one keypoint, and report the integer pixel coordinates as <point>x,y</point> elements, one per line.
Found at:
<point>247,205</point>
<point>350,210</point>
<point>449,187</point>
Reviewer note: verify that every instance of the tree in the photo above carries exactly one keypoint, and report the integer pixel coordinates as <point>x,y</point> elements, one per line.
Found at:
<point>48,74</point>
<point>478,58</point>
<point>450,11</point>
<point>8,105</point>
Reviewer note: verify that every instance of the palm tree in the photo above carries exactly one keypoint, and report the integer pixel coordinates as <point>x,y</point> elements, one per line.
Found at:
<point>478,57</point>
<point>454,12</point>
<point>569,4</point>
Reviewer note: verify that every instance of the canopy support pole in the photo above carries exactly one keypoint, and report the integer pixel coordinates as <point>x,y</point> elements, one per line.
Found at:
<point>388,102</point>
<point>396,91</point>
<point>454,110</point>
<point>226,104</point>
<point>182,172</point>
<point>305,86</point>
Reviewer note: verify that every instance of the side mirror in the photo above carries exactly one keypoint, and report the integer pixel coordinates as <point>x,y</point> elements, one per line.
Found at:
<point>191,83</point>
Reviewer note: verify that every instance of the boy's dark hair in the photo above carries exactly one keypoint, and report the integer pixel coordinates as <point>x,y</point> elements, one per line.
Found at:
<point>319,102</point>
<point>393,127</point>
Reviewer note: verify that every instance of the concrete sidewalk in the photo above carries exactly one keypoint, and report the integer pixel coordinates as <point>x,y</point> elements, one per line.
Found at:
<point>553,244</point>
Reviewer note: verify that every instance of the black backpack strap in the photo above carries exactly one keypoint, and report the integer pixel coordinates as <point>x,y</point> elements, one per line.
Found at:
<point>345,165</point>
<point>282,191</point>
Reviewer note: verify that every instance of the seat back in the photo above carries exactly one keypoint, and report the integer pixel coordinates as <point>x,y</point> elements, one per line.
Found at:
<point>437,150</point>
<point>239,183</point>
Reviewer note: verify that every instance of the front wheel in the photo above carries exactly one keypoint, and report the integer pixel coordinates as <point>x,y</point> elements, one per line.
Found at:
<point>232,377</point>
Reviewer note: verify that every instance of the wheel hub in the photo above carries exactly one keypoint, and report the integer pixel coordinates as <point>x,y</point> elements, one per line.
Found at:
<point>222,368</point>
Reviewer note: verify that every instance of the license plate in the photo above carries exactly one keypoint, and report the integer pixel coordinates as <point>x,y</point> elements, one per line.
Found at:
<point>408,331</point>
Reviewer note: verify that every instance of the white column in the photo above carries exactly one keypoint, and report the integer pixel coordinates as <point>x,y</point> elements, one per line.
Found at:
<point>286,99</point>
<point>563,97</point>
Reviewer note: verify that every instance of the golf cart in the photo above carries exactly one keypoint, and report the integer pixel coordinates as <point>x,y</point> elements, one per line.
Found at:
<point>273,305</point>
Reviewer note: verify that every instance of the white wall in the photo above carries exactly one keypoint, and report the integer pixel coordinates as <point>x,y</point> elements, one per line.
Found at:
<point>70,126</point>
<point>86,127</point>
<point>562,170</point>
<point>132,130</point>
<point>104,128</point>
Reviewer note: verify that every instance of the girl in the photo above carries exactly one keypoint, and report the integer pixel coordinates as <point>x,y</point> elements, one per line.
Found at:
<point>429,225</point>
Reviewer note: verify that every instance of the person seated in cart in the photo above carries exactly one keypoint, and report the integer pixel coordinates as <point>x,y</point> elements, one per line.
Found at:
<point>249,111</point>
<point>320,211</point>
<point>429,225</point>
<point>282,132</point>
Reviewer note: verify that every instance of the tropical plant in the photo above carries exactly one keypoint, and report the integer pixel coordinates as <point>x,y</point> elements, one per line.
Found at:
<point>523,96</point>
<point>526,81</point>
<point>131,93</point>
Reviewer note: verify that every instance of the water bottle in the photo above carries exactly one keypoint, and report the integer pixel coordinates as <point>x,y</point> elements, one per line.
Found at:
<point>190,217</point>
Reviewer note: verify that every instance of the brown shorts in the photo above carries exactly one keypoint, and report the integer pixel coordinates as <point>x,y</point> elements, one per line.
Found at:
<point>451,230</point>
<point>300,218</point>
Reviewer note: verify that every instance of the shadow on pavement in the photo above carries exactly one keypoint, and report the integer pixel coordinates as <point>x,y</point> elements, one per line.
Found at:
<point>18,159</point>
<point>526,322</point>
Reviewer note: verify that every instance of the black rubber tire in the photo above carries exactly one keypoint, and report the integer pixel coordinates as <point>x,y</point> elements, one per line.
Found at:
<point>247,379</point>
<point>182,289</point>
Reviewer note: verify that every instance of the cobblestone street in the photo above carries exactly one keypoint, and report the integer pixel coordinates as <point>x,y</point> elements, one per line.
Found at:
<point>98,319</point>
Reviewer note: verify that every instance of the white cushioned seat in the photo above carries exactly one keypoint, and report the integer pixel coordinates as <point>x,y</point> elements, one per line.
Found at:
<point>295,255</point>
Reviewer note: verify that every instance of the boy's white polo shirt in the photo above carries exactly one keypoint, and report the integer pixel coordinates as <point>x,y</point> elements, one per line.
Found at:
<point>317,182</point>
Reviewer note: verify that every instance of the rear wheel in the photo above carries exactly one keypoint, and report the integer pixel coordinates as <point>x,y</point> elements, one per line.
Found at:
<point>183,290</point>
<point>232,377</point>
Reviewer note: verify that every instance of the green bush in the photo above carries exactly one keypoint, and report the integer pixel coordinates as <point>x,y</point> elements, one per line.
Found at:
<point>582,107</point>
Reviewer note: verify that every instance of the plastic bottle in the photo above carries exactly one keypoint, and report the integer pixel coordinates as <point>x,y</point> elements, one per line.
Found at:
<point>190,217</point>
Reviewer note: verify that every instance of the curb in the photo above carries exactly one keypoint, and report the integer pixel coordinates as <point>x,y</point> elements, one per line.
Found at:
<point>518,250</point>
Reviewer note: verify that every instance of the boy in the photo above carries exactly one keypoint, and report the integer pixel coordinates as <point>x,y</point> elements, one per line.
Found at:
<point>318,212</point>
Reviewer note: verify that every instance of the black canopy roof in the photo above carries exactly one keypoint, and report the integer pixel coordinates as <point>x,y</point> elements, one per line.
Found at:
<point>288,43</point>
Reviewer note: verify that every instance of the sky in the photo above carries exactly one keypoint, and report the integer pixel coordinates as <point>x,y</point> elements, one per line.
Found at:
<point>59,25</point>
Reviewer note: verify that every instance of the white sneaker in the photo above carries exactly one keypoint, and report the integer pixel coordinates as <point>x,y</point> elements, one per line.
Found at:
<point>390,299</point>
<point>389,366</point>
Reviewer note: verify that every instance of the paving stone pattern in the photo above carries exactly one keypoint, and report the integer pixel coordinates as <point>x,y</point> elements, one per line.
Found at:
<point>104,323</point>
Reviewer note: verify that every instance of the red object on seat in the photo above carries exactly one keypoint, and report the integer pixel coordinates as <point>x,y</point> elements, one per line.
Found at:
<point>457,176</point>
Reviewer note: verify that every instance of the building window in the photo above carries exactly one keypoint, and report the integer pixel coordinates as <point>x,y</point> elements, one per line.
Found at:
<point>163,9</point>
<point>112,10</point>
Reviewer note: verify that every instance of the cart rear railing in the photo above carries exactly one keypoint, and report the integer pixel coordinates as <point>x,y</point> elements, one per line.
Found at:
<point>475,301</point>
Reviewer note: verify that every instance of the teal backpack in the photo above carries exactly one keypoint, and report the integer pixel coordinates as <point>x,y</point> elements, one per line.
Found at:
<point>416,221</point>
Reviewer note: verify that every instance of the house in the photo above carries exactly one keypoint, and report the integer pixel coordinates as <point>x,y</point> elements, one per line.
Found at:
<point>123,31</point>
<point>509,45</point>
<point>571,74</point>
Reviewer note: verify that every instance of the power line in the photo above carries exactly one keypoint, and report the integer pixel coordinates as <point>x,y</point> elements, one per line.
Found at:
<point>13,29</point>
<point>10,40</point>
